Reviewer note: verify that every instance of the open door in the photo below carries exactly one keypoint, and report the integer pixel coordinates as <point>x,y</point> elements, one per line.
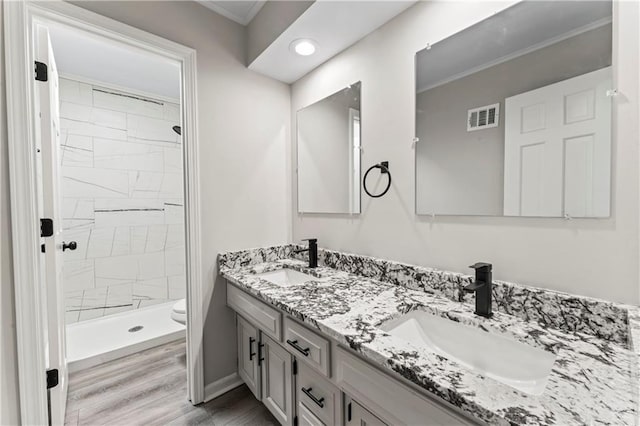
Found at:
<point>558,149</point>
<point>49,206</point>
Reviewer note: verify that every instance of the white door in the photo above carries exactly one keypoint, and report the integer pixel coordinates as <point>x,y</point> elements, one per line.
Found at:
<point>558,149</point>
<point>48,144</point>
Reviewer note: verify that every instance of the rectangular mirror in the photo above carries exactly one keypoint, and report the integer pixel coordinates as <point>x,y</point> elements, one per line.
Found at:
<point>329,154</point>
<point>513,114</point>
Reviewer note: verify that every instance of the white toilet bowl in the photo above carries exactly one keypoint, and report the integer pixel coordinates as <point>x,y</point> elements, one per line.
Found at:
<point>179,311</point>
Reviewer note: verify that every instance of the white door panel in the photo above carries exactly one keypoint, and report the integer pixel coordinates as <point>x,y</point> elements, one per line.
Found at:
<point>48,143</point>
<point>558,149</point>
<point>277,381</point>
<point>248,367</point>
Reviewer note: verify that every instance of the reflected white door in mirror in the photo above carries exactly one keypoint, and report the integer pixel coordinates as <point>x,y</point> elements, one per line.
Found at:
<point>558,149</point>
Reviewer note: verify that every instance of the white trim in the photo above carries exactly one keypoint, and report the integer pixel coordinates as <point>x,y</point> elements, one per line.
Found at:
<point>577,31</point>
<point>224,385</point>
<point>19,17</point>
<point>118,88</point>
<point>24,216</point>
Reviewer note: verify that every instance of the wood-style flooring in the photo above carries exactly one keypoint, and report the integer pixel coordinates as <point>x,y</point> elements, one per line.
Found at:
<point>150,388</point>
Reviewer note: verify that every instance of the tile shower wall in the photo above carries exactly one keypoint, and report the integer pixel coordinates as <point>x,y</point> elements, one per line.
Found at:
<point>123,201</point>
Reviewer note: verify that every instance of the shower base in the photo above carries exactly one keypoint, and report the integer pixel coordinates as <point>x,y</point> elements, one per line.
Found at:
<point>93,342</point>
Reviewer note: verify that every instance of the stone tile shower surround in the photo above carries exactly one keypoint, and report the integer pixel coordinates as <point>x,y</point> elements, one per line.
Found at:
<point>122,201</point>
<point>562,311</point>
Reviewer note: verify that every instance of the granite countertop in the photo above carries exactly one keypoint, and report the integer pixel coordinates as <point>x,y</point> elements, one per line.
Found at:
<point>593,380</point>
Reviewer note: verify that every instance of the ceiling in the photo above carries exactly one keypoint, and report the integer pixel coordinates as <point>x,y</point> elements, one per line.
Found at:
<point>333,25</point>
<point>522,28</point>
<point>81,54</point>
<point>241,11</point>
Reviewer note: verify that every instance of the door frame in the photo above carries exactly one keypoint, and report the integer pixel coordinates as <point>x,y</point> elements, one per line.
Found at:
<point>19,19</point>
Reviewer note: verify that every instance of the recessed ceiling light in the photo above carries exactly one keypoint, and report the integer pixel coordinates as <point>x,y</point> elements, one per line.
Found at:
<point>303,46</point>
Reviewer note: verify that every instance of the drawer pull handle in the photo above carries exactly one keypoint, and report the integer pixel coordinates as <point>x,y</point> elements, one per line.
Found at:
<point>297,347</point>
<point>251,352</point>
<point>260,357</point>
<point>320,401</point>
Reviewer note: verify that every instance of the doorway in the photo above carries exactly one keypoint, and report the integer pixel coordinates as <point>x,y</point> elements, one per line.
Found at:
<point>122,196</point>
<point>100,163</point>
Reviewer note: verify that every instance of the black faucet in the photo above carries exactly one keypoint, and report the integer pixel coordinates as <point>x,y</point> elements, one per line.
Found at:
<point>313,252</point>
<point>482,287</point>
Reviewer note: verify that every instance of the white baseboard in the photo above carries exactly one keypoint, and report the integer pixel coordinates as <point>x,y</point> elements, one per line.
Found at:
<point>217,388</point>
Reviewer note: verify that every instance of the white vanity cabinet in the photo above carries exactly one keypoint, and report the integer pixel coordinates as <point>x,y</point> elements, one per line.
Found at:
<point>305,378</point>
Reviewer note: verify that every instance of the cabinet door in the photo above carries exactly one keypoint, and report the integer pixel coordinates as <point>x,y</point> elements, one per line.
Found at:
<point>277,380</point>
<point>306,417</point>
<point>248,366</point>
<point>356,414</point>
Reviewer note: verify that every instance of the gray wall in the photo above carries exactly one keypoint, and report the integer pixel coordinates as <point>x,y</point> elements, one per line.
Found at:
<point>590,257</point>
<point>9,408</point>
<point>460,172</point>
<point>244,128</point>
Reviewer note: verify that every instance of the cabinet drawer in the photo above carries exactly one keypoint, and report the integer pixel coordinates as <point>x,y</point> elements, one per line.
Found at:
<point>307,345</point>
<point>388,398</point>
<point>306,417</point>
<point>268,319</point>
<point>357,415</point>
<point>318,395</point>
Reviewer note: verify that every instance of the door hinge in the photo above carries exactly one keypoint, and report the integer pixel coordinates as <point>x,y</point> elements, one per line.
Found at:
<point>295,421</point>
<point>46,227</point>
<point>41,71</point>
<point>42,249</point>
<point>295,367</point>
<point>349,412</point>
<point>53,378</point>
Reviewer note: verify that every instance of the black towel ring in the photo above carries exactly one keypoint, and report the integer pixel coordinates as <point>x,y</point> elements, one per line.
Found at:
<point>384,169</point>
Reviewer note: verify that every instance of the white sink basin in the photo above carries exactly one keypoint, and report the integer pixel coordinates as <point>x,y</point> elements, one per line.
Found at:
<point>285,277</point>
<point>508,361</point>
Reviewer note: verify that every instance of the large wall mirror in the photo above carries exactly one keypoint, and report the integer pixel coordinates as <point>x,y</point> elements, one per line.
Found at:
<point>513,115</point>
<point>329,154</point>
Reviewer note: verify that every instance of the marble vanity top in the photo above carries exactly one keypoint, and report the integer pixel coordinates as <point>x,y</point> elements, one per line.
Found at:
<point>594,380</point>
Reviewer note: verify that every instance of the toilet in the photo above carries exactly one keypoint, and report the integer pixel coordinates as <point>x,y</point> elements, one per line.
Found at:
<point>179,311</point>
